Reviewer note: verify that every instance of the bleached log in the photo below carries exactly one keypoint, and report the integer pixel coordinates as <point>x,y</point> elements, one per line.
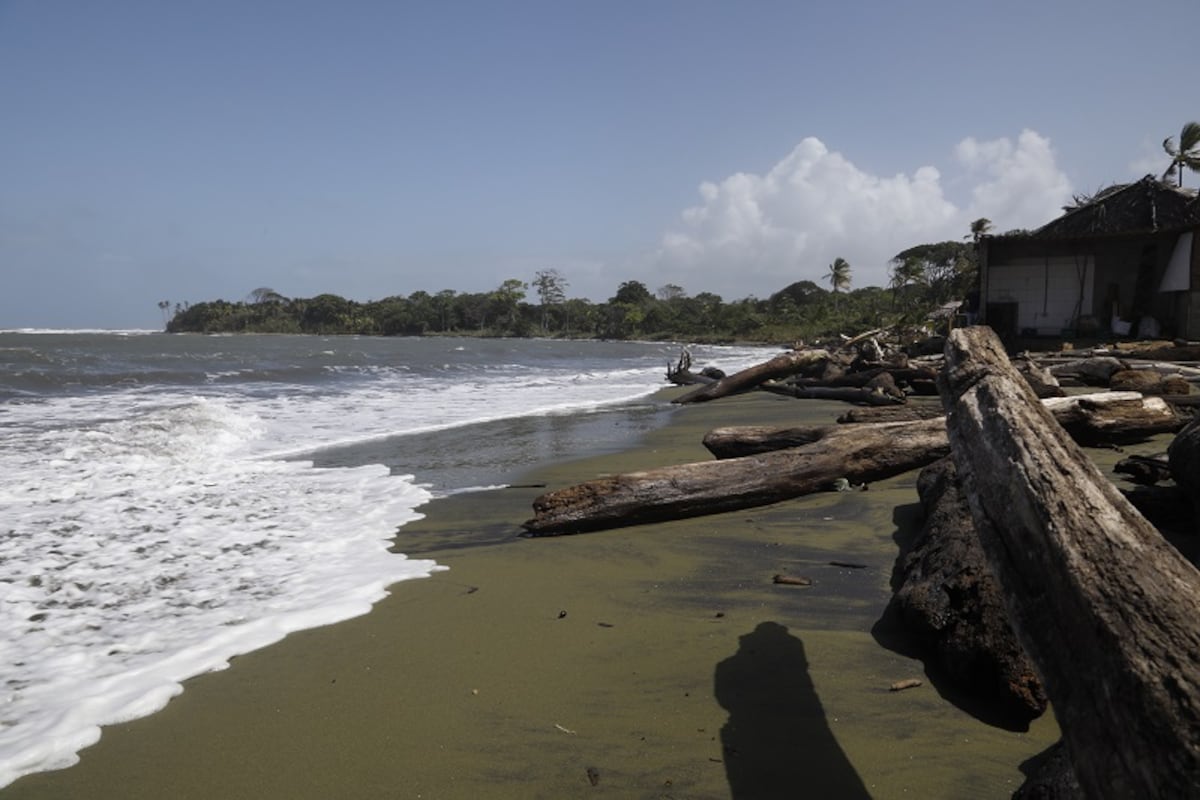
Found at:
<point>1107,417</point>
<point>1112,417</point>
<point>1094,371</point>
<point>1103,604</point>
<point>780,366</point>
<point>858,454</point>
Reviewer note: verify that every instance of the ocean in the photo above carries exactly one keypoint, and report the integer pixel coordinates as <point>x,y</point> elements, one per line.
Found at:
<point>169,502</point>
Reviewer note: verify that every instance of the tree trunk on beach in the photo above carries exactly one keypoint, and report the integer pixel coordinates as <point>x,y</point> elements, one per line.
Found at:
<point>1090,418</point>
<point>1103,604</point>
<point>780,366</point>
<point>858,454</point>
<point>849,394</point>
<point>950,601</point>
<point>906,413</point>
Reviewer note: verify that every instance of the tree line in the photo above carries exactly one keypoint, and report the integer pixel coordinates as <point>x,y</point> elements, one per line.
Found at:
<point>922,278</point>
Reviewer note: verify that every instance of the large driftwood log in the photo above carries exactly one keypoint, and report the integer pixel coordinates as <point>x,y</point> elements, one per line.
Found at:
<point>948,598</point>
<point>780,366</point>
<point>848,394</point>
<point>1112,417</point>
<point>858,454</point>
<point>1094,371</point>
<point>1149,381</point>
<point>899,375</point>
<point>1103,604</point>
<point>681,374</point>
<point>877,414</point>
<point>1089,418</point>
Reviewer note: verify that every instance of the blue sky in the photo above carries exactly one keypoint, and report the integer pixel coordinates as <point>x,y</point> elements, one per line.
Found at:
<point>193,150</point>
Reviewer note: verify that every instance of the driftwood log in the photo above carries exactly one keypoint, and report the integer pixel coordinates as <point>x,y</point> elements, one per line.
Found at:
<point>681,374</point>
<point>780,366</point>
<point>1112,417</point>
<point>1089,418</point>
<point>898,375</point>
<point>858,454</point>
<point>849,394</point>
<point>1094,371</point>
<point>1103,604</point>
<point>950,601</point>
<point>907,413</point>
<point>1148,381</point>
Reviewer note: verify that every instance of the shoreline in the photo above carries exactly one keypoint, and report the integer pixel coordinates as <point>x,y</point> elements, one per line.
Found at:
<point>651,660</point>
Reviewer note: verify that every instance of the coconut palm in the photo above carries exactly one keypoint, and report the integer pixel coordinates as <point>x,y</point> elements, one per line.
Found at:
<point>1187,155</point>
<point>839,277</point>
<point>979,229</point>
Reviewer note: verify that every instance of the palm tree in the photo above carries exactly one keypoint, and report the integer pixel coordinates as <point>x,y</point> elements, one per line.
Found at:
<point>839,277</point>
<point>979,229</point>
<point>1187,155</point>
<point>906,273</point>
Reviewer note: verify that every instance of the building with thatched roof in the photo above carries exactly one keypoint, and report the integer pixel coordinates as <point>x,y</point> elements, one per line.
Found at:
<point>1124,261</point>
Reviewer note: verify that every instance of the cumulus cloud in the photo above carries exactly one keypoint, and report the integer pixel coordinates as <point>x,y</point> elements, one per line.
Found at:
<point>1021,187</point>
<point>754,234</point>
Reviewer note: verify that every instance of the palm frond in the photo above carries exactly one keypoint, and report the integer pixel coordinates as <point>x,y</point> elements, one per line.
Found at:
<point>1189,137</point>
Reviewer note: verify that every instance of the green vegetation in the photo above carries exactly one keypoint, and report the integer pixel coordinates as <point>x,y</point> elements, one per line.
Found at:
<point>923,277</point>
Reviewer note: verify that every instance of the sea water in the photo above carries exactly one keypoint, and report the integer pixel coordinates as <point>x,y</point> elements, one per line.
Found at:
<point>169,502</point>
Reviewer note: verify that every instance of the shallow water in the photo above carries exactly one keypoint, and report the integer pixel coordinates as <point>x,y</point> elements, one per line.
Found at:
<point>173,501</point>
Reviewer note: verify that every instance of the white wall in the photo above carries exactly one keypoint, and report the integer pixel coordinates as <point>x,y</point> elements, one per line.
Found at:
<point>1045,290</point>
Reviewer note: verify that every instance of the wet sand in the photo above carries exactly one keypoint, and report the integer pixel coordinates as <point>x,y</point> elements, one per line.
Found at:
<point>650,662</point>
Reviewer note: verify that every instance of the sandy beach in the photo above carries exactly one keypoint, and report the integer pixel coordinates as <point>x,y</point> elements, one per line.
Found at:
<point>650,662</point>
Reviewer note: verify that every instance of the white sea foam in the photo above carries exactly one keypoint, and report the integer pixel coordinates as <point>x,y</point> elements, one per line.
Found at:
<point>151,531</point>
<point>139,550</point>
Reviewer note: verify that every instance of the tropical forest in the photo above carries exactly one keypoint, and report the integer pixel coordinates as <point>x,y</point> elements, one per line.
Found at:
<point>923,279</point>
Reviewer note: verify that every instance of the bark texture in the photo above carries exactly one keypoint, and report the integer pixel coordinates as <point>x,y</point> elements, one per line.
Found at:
<point>1104,605</point>
<point>859,454</point>
<point>949,599</point>
<point>780,366</point>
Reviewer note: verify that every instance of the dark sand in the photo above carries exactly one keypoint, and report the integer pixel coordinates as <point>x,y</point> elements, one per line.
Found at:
<point>662,659</point>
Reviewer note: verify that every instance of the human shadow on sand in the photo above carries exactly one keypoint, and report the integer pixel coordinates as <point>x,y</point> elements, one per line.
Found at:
<point>776,741</point>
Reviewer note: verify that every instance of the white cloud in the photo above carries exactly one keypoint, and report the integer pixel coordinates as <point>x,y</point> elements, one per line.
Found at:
<point>754,234</point>
<point>1022,187</point>
<point>1150,160</point>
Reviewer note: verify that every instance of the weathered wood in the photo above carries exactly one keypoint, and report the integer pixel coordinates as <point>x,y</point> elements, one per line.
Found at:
<point>681,374</point>
<point>780,366</point>
<point>876,414</point>
<point>1113,417</point>
<point>858,454</point>
<point>1103,604</point>
<point>1094,371</point>
<point>1149,381</point>
<point>950,601</point>
<point>1108,417</point>
<point>748,440</point>
<point>899,375</point>
<point>847,394</point>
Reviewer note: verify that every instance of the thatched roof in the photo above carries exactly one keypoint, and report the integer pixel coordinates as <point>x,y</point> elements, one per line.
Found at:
<point>1147,206</point>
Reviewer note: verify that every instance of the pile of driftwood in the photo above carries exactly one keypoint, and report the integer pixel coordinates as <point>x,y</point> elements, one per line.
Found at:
<point>1034,577</point>
<point>860,371</point>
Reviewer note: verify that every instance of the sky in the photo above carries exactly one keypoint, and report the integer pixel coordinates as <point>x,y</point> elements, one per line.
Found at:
<point>199,149</point>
